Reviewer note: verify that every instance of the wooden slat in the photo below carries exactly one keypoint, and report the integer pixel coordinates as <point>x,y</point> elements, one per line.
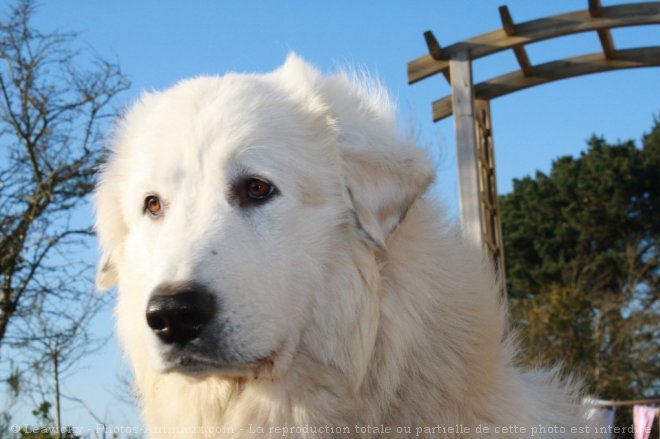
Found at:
<point>435,50</point>
<point>537,30</point>
<point>507,22</point>
<point>605,37</point>
<point>595,8</point>
<point>486,202</point>
<point>432,43</point>
<point>491,247</point>
<point>442,108</point>
<point>485,165</point>
<point>492,225</point>
<point>554,71</point>
<point>510,28</point>
<point>523,60</point>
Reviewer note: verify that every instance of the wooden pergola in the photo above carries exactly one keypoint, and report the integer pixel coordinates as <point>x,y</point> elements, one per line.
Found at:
<point>470,103</point>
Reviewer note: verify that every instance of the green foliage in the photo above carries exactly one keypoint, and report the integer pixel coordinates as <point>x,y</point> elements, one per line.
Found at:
<point>45,428</point>
<point>576,224</point>
<point>582,261</point>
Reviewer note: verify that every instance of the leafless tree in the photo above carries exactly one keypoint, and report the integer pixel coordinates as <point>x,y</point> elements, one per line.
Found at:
<point>54,351</point>
<point>54,101</point>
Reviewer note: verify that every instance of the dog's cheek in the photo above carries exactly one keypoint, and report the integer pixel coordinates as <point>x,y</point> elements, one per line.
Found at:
<point>283,293</point>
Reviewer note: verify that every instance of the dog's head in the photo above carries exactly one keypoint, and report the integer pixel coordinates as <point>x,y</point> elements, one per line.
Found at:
<point>226,203</point>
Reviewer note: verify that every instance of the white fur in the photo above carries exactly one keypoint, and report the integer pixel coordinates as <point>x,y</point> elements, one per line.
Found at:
<point>373,311</point>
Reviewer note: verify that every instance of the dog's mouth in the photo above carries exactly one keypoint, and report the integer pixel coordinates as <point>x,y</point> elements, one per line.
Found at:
<point>201,366</point>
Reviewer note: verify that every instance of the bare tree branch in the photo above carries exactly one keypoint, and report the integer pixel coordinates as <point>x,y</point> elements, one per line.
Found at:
<point>54,99</point>
<point>51,114</point>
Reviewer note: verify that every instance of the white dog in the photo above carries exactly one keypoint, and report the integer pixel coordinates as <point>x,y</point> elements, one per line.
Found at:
<point>281,272</point>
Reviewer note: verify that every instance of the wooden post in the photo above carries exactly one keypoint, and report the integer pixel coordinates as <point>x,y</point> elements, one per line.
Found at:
<point>460,69</point>
<point>478,200</point>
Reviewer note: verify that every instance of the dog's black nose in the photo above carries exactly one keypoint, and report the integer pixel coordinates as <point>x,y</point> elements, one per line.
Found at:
<point>178,312</point>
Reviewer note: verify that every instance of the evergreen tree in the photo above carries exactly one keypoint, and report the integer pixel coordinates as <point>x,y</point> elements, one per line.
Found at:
<point>582,261</point>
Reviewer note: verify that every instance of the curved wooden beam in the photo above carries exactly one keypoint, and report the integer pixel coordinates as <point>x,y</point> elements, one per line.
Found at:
<point>554,71</point>
<point>536,30</point>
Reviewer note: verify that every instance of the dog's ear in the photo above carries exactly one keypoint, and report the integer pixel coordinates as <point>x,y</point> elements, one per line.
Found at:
<point>302,82</point>
<point>382,186</point>
<point>298,73</point>
<point>110,229</point>
<point>106,272</point>
<point>383,175</point>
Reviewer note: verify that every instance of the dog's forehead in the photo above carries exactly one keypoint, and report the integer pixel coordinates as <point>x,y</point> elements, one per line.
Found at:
<point>202,110</point>
<point>206,130</point>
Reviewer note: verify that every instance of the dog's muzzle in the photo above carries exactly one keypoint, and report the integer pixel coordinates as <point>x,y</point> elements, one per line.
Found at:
<point>178,312</point>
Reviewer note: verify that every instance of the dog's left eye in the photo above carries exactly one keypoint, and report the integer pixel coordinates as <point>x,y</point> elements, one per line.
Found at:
<point>258,189</point>
<point>253,191</point>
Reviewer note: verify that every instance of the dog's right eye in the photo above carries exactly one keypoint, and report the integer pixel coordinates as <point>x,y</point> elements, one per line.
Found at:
<point>258,189</point>
<point>253,191</point>
<point>153,206</point>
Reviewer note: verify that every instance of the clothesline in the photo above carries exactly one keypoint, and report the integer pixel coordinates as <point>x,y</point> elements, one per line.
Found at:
<point>644,411</point>
<point>603,403</point>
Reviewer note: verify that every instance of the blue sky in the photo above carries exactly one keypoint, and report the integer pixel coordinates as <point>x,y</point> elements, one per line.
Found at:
<point>161,42</point>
